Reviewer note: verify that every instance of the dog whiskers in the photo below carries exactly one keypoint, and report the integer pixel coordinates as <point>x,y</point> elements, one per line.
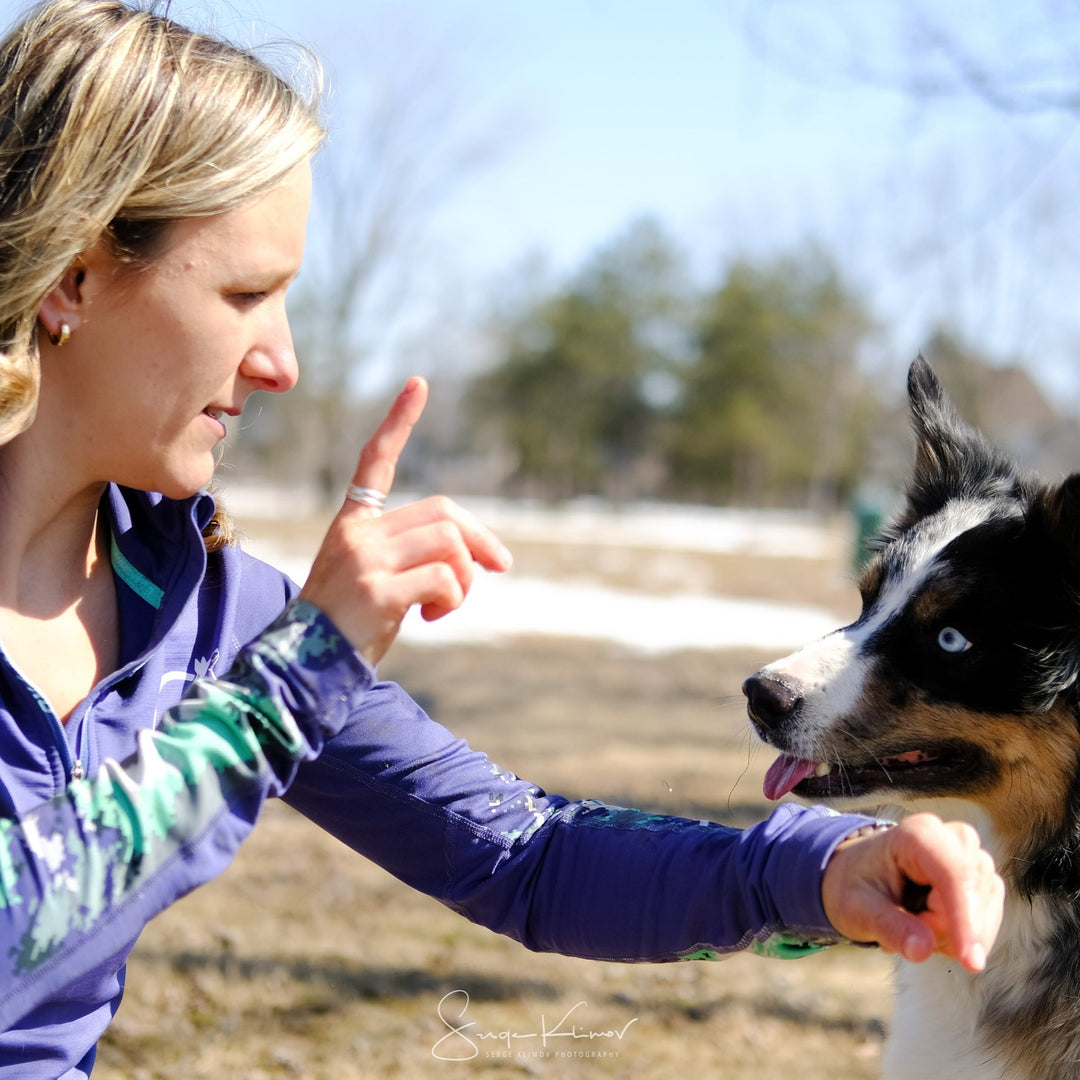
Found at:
<point>751,745</point>
<point>870,755</point>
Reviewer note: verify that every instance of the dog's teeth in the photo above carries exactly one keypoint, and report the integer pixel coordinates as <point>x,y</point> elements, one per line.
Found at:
<point>823,769</point>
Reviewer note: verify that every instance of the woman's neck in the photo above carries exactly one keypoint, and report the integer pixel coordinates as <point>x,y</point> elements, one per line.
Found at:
<point>57,596</point>
<point>49,535</point>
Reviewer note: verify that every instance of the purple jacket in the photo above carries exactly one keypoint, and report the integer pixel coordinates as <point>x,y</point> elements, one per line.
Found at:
<point>205,726</point>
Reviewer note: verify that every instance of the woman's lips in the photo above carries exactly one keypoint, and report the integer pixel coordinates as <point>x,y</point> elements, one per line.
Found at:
<point>216,415</point>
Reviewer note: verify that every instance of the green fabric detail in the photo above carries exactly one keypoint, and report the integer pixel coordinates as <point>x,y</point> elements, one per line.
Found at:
<point>782,947</point>
<point>774,947</point>
<point>135,579</point>
<point>10,868</point>
<point>705,954</point>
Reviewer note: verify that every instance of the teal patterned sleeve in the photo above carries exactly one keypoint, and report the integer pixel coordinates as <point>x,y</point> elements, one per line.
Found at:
<point>81,874</point>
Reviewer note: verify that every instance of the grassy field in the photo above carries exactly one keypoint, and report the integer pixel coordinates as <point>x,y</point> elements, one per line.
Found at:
<point>305,961</point>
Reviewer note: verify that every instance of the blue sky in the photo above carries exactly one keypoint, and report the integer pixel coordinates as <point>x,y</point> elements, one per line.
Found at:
<point>740,126</point>
<point>744,128</point>
<point>624,109</point>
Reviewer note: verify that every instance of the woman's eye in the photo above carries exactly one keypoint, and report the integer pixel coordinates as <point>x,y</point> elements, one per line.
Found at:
<point>952,641</point>
<point>248,299</point>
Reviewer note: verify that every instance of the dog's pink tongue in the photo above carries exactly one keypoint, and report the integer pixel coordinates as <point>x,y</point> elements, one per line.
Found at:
<point>784,773</point>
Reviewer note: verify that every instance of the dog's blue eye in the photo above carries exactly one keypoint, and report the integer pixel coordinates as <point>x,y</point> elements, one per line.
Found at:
<point>952,641</point>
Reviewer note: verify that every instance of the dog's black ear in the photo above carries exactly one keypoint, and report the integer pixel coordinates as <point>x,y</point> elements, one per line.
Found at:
<point>1048,563</point>
<point>952,459</point>
<point>1055,513</point>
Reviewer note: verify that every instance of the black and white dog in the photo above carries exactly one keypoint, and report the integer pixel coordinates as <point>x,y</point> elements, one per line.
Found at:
<point>957,691</point>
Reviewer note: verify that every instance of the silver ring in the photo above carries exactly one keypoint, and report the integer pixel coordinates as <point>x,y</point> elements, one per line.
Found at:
<point>365,496</point>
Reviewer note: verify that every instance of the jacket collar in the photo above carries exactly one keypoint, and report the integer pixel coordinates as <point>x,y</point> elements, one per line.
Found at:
<point>158,554</point>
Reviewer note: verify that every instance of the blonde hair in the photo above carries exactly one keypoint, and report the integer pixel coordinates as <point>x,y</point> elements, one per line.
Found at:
<point>115,122</point>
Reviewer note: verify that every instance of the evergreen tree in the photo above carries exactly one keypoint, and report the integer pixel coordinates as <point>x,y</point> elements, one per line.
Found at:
<point>774,409</point>
<point>571,397</point>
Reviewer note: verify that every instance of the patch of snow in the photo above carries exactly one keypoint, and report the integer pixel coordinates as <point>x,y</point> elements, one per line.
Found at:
<point>501,606</point>
<point>678,527</point>
<point>715,530</point>
<point>504,606</point>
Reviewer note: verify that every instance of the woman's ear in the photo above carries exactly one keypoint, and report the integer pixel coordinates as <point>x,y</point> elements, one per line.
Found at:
<point>61,310</point>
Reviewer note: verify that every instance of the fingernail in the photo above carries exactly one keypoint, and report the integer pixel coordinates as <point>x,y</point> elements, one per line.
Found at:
<point>977,957</point>
<point>915,947</point>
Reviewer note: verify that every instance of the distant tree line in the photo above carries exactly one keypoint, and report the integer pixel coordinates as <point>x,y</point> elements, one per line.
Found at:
<point>624,382</point>
<point>630,378</point>
<point>628,381</point>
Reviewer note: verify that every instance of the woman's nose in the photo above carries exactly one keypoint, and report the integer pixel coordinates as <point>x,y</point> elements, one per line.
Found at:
<point>271,362</point>
<point>275,370</point>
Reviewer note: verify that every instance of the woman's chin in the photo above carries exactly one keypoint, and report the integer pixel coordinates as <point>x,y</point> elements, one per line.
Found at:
<point>179,484</point>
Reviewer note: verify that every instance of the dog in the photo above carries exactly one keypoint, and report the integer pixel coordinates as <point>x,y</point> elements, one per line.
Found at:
<point>956,690</point>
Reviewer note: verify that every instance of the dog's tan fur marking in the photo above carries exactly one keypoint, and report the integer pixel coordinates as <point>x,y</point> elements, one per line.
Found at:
<point>1035,758</point>
<point>1038,765</point>
<point>931,605</point>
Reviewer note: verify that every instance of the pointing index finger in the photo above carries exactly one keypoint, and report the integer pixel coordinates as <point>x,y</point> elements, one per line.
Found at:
<point>963,902</point>
<point>379,457</point>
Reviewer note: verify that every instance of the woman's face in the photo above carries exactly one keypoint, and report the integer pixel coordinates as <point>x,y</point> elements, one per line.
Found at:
<point>157,358</point>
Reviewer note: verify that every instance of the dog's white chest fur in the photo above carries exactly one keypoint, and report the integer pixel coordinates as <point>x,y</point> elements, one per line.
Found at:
<point>934,1028</point>
<point>938,1030</point>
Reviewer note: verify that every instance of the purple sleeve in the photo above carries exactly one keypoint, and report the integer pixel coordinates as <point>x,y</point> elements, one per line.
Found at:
<point>581,878</point>
<point>82,873</point>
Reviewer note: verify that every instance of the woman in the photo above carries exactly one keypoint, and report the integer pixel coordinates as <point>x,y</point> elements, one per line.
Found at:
<point>154,187</point>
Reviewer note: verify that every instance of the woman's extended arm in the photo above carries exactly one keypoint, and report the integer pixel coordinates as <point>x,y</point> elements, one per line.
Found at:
<point>611,883</point>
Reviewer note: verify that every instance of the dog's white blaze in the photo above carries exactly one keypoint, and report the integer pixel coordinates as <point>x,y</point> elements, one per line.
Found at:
<point>830,675</point>
<point>832,671</point>
<point>921,548</point>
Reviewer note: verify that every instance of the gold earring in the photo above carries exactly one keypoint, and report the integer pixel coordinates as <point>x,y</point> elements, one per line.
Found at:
<point>62,336</point>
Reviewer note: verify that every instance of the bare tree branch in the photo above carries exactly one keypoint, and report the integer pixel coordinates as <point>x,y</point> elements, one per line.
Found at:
<point>405,138</point>
<point>1022,58</point>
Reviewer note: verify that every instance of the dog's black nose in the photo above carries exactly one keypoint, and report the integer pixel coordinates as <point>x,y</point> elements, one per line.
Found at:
<point>771,701</point>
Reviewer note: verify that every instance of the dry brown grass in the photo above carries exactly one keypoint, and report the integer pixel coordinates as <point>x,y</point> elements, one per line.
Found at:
<point>305,961</point>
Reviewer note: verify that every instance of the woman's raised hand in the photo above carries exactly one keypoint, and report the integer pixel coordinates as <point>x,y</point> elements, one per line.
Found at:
<point>371,567</point>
